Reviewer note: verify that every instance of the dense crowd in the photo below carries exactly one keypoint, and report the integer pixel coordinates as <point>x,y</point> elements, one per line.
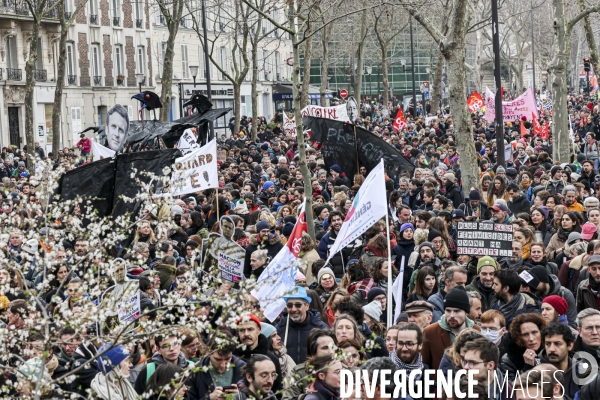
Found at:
<point>199,337</point>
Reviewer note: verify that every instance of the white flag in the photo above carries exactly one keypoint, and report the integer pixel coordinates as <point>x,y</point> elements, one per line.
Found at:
<point>368,207</point>
<point>187,142</point>
<point>196,171</point>
<point>101,152</point>
<point>397,292</point>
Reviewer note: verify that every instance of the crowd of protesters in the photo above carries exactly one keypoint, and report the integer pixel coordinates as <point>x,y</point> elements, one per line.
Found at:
<point>525,313</point>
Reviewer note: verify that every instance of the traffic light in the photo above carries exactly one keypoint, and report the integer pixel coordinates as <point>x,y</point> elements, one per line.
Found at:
<point>586,65</point>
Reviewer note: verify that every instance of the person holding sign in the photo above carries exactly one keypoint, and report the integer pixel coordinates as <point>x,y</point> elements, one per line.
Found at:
<point>224,254</point>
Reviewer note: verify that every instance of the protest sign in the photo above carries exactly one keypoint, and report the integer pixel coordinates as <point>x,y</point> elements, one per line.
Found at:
<point>187,142</point>
<point>130,309</point>
<point>338,113</point>
<point>196,171</point>
<point>232,269</point>
<point>524,105</point>
<point>484,239</point>
<point>289,126</point>
<point>224,253</point>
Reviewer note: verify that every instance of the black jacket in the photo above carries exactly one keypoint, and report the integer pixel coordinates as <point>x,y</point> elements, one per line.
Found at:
<point>454,195</point>
<point>272,246</point>
<point>201,384</point>
<point>484,211</point>
<point>85,376</point>
<point>519,204</point>
<point>298,333</point>
<point>262,348</point>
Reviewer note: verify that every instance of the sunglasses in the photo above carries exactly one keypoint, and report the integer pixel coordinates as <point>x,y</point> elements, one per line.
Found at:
<point>292,305</point>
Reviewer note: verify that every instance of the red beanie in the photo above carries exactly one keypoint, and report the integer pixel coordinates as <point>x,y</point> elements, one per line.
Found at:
<point>558,303</point>
<point>249,317</point>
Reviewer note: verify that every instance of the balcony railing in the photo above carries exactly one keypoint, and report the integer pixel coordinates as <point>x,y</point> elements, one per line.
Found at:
<point>40,75</point>
<point>97,80</point>
<point>71,80</point>
<point>94,19</point>
<point>139,23</point>
<point>116,21</point>
<point>68,15</point>
<point>20,7</point>
<point>14,74</point>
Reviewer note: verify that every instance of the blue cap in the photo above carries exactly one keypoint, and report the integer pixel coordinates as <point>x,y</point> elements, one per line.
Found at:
<point>267,329</point>
<point>298,293</point>
<point>405,226</point>
<point>267,185</point>
<point>112,357</point>
<point>352,261</point>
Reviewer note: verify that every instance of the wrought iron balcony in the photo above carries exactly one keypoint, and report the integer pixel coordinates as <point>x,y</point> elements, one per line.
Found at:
<point>139,23</point>
<point>116,21</point>
<point>71,80</point>
<point>93,19</point>
<point>97,80</point>
<point>19,7</point>
<point>40,75</point>
<point>14,74</point>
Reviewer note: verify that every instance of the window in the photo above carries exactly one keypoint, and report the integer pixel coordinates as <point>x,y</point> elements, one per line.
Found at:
<point>119,60</point>
<point>70,60</point>
<point>141,63</point>
<point>116,8</point>
<point>39,62</point>
<point>75,122</point>
<point>138,10</point>
<point>93,7</point>
<point>96,66</point>
<point>202,69</point>
<point>184,62</point>
<point>12,60</point>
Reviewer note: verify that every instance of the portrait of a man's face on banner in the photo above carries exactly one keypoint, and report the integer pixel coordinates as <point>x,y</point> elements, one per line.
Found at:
<point>352,108</point>
<point>117,127</point>
<point>224,257</point>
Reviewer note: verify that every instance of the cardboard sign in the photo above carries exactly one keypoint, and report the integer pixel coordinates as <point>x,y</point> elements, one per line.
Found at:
<point>484,239</point>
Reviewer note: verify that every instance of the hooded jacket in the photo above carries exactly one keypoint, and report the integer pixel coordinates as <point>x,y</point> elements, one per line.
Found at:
<point>202,384</point>
<point>262,348</point>
<point>272,245</point>
<point>298,333</point>
<point>557,289</point>
<point>158,360</point>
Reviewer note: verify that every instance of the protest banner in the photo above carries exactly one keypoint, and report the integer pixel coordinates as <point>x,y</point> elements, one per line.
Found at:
<point>232,269</point>
<point>338,113</point>
<point>130,309</point>
<point>289,126</point>
<point>524,105</point>
<point>224,254</point>
<point>187,142</point>
<point>484,239</point>
<point>475,102</point>
<point>196,171</point>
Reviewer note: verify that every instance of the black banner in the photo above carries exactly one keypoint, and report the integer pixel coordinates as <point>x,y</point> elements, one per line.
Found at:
<point>336,139</point>
<point>484,239</point>
<point>94,181</point>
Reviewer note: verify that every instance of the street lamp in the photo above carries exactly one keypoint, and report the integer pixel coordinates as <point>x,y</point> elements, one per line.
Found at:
<point>140,78</point>
<point>194,72</point>
<point>369,71</point>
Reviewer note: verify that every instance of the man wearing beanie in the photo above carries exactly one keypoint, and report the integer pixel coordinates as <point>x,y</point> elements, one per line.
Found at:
<point>474,208</point>
<point>453,192</point>
<point>321,213</point>
<point>483,282</point>
<point>263,239</point>
<point>556,184</point>
<point>440,335</point>
<point>267,192</point>
<point>549,285</point>
<point>507,286</point>
<point>427,257</point>
<point>253,342</point>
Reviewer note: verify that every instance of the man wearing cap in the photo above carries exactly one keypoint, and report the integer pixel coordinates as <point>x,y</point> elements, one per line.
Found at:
<point>253,342</point>
<point>500,213</point>
<point>302,319</point>
<point>588,291</point>
<point>420,312</point>
<point>484,282</point>
<point>550,285</point>
<point>440,335</point>
<point>453,192</point>
<point>475,209</point>
<point>510,302</point>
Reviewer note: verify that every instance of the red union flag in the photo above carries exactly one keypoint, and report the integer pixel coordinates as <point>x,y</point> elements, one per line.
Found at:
<point>474,102</point>
<point>399,122</point>
<point>537,128</point>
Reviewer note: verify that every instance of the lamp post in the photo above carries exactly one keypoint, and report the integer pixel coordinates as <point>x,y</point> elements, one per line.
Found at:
<point>140,78</point>
<point>369,71</point>
<point>194,72</point>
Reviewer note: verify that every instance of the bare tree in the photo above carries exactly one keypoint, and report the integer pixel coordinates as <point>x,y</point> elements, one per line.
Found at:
<point>590,38</point>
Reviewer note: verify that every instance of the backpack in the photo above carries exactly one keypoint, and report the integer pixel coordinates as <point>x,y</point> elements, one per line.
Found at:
<point>151,367</point>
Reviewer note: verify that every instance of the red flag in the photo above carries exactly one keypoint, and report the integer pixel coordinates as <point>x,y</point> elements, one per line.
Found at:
<point>537,128</point>
<point>474,102</point>
<point>399,122</point>
<point>523,130</point>
<point>545,134</point>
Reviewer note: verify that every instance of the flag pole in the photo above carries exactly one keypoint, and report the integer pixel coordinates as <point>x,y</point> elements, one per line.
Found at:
<point>356,150</point>
<point>390,269</point>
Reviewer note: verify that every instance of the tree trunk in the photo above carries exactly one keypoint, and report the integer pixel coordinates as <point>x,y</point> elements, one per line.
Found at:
<point>306,176</point>
<point>29,89</point>
<point>590,39</point>
<point>307,60</point>
<point>325,38</point>
<point>254,92</point>
<point>477,66</point>
<point>384,74</point>
<point>166,79</point>
<point>360,61</point>
<point>237,100</point>
<point>558,70</point>
<point>436,85</point>
<point>58,99</point>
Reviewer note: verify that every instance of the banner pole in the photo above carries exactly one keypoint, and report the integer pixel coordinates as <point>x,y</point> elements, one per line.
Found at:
<point>217,200</point>
<point>390,269</point>
<point>356,150</point>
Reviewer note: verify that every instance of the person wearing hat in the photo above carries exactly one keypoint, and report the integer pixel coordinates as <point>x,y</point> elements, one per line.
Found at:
<point>285,361</point>
<point>474,209</point>
<point>556,184</point>
<point>438,336</point>
<point>253,342</point>
<point>427,256</point>
<point>321,213</point>
<point>554,309</point>
<point>500,213</point>
<point>263,239</point>
<point>550,285</point>
<point>373,313</point>
<point>587,291</point>
<point>510,302</point>
<point>114,366</point>
<point>337,174</point>
<point>453,192</point>
<point>297,321</point>
<point>420,312</point>
<point>268,191</point>
<point>484,281</point>
<point>326,284</point>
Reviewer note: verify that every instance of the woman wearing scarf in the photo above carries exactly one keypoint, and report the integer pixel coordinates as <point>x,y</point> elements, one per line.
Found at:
<point>111,383</point>
<point>569,223</point>
<point>543,229</point>
<point>527,238</point>
<point>276,346</point>
<point>357,281</point>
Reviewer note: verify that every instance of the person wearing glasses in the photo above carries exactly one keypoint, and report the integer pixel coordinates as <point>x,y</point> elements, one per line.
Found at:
<point>407,355</point>
<point>588,340</point>
<point>259,378</point>
<point>297,321</point>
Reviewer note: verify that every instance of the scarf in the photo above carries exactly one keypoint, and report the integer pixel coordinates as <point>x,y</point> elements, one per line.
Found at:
<point>563,235</point>
<point>525,185</point>
<point>512,306</point>
<point>110,386</point>
<point>526,251</point>
<point>418,364</point>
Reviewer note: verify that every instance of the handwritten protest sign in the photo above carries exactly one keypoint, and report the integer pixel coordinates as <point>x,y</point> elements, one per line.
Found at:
<point>484,239</point>
<point>524,105</point>
<point>187,142</point>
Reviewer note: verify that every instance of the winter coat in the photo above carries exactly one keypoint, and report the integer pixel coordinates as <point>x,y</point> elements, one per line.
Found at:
<point>378,349</point>
<point>526,305</point>
<point>486,301</point>
<point>554,244</point>
<point>585,296</point>
<point>512,362</point>
<point>403,248</point>
<point>85,376</point>
<point>519,204</point>
<point>557,289</point>
<point>484,211</point>
<point>308,259</point>
<point>158,360</point>
<point>454,195</point>
<point>244,353</point>
<point>437,301</point>
<point>166,273</point>
<point>299,375</point>
<point>339,260</point>
<point>202,384</point>
<point>568,275</point>
<point>298,333</point>
<point>437,337</point>
<point>272,245</point>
